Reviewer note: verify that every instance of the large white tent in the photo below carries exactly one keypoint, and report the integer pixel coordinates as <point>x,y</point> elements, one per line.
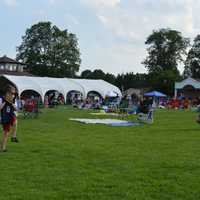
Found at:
<point>100,86</point>
<point>23,83</point>
<point>42,85</point>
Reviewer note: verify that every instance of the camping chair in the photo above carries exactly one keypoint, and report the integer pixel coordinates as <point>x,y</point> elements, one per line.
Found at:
<point>123,112</point>
<point>146,118</point>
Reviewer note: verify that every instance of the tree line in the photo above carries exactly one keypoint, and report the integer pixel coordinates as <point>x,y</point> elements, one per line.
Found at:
<point>49,51</point>
<point>123,81</point>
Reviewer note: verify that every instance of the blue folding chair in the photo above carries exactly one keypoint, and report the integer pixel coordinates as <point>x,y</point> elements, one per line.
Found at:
<point>146,118</point>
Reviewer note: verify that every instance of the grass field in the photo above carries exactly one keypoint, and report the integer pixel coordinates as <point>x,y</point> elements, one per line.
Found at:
<point>60,159</point>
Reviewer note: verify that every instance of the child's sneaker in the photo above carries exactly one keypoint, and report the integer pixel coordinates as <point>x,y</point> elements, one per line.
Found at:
<point>3,150</point>
<point>14,139</point>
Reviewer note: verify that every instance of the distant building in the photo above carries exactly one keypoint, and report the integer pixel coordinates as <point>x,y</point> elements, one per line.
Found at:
<point>12,67</point>
<point>189,88</point>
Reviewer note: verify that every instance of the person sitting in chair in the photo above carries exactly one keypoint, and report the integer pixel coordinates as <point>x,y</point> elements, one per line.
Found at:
<point>143,107</point>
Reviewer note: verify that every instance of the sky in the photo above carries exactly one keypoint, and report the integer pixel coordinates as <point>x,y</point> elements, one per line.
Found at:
<point>111,33</point>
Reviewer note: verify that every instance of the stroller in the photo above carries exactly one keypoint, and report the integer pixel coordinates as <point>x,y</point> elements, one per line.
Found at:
<point>31,108</point>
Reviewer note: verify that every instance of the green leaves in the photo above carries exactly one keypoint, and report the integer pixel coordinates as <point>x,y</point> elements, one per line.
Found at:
<point>49,51</point>
<point>166,49</point>
<point>192,63</point>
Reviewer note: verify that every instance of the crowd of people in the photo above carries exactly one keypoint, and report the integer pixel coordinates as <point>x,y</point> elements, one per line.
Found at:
<point>96,102</point>
<point>10,103</point>
<point>53,99</point>
<point>182,103</point>
<point>168,103</point>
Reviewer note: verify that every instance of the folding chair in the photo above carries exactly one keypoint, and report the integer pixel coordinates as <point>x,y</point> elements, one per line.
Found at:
<point>146,118</point>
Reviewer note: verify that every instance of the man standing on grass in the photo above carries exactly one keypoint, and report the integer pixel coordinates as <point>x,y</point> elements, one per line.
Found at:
<point>8,117</point>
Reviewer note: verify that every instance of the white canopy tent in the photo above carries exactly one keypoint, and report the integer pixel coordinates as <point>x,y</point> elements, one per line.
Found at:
<point>69,85</point>
<point>23,83</point>
<point>111,94</point>
<point>47,84</point>
<point>100,86</point>
<point>187,82</point>
<point>42,85</point>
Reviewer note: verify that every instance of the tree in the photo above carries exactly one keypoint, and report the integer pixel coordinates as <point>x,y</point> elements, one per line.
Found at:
<point>87,74</point>
<point>131,80</point>
<point>166,50</point>
<point>192,63</point>
<point>49,51</point>
<point>123,81</point>
<point>110,78</point>
<point>164,81</point>
<point>98,74</point>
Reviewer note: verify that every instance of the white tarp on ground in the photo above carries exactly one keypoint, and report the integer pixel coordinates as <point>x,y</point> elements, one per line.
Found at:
<point>99,121</point>
<point>111,122</point>
<point>42,85</point>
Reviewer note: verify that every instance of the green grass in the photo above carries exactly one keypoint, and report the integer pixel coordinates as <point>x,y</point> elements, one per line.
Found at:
<point>60,159</point>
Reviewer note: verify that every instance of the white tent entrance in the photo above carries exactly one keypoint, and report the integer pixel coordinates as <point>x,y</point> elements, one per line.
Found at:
<point>74,96</point>
<point>30,93</point>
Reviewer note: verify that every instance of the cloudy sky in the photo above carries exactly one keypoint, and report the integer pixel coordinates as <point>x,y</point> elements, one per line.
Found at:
<point>111,33</point>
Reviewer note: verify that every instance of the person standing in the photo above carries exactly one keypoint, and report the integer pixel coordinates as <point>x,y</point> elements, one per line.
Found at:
<point>16,102</point>
<point>8,117</point>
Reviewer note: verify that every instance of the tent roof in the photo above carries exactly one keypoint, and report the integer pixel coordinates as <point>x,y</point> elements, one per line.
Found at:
<point>68,85</point>
<point>23,83</point>
<point>47,84</point>
<point>100,86</point>
<point>189,81</point>
<point>62,85</point>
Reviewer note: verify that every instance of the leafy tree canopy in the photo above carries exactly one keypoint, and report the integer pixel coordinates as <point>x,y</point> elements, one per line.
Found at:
<point>192,63</point>
<point>166,49</point>
<point>49,51</point>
